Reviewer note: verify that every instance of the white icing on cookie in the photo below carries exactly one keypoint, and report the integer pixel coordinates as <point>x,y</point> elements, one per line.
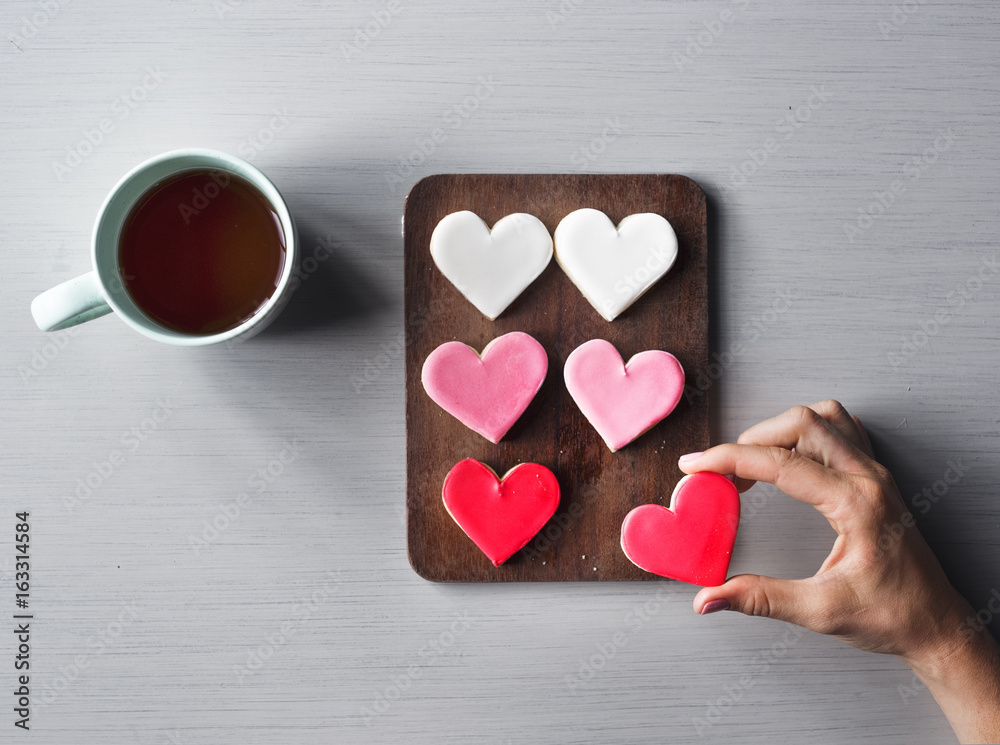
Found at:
<point>612,266</point>
<point>491,268</point>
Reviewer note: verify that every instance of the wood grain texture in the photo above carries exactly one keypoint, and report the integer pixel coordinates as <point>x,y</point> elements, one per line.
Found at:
<point>598,487</point>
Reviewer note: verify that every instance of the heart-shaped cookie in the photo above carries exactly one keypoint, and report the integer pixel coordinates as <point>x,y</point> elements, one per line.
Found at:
<point>491,267</point>
<point>621,400</point>
<point>500,515</point>
<point>612,266</point>
<point>693,540</point>
<point>487,392</point>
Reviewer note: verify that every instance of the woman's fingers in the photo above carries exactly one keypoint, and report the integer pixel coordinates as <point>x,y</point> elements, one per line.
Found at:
<point>804,602</point>
<point>864,436</point>
<point>845,423</point>
<point>833,442</point>
<point>795,474</point>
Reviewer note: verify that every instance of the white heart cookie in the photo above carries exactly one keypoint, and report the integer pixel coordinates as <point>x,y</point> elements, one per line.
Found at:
<point>612,266</point>
<point>491,267</point>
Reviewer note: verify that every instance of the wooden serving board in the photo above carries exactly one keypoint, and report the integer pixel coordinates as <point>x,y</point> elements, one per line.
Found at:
<point>598,487</point>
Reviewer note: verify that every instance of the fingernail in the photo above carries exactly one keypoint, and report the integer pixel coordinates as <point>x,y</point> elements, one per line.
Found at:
<point>692,456</point>
<point>715,605</point>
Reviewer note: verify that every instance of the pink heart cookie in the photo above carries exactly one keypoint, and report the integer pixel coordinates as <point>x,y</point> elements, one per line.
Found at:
<point>621,400</point>
<point>487,392</point>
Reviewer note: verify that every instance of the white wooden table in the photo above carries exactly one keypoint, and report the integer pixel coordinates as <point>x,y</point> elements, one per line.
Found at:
<point>163,615</point>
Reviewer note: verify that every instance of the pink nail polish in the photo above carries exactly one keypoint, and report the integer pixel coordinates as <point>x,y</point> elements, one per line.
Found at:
<point>715,605</point>
<point>692,456</point>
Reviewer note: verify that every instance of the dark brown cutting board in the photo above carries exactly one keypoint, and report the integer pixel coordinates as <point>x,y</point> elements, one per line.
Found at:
<point>598,487</point>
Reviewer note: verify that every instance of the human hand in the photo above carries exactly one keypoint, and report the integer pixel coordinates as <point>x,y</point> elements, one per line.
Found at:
<point>881,589</point>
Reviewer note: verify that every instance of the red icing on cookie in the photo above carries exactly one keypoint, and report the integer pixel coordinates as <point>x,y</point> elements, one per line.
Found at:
<point>500,515</point>
<point>693,540</point>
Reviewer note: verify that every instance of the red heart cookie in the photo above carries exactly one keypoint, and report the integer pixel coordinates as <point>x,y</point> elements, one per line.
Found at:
<point>500,515</point>
<point>693,540</point>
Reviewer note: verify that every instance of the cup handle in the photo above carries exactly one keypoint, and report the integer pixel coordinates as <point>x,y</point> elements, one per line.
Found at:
<point>76,301</point>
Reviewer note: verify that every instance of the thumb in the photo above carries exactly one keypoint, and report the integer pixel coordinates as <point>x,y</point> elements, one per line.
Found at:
<point>797,601</point>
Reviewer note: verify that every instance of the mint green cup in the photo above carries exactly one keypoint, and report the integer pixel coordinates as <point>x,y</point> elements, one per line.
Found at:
<point>102,290</point>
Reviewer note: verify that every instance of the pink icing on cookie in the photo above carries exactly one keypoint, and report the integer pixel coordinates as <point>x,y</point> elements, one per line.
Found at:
<point>500,515</point>
<point>487,392</point>
<point>621,400</point>
<point>693,540</point>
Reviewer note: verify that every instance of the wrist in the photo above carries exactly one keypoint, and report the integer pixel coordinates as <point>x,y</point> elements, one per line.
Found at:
<point>947,642</point>
<point>961,669</point>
